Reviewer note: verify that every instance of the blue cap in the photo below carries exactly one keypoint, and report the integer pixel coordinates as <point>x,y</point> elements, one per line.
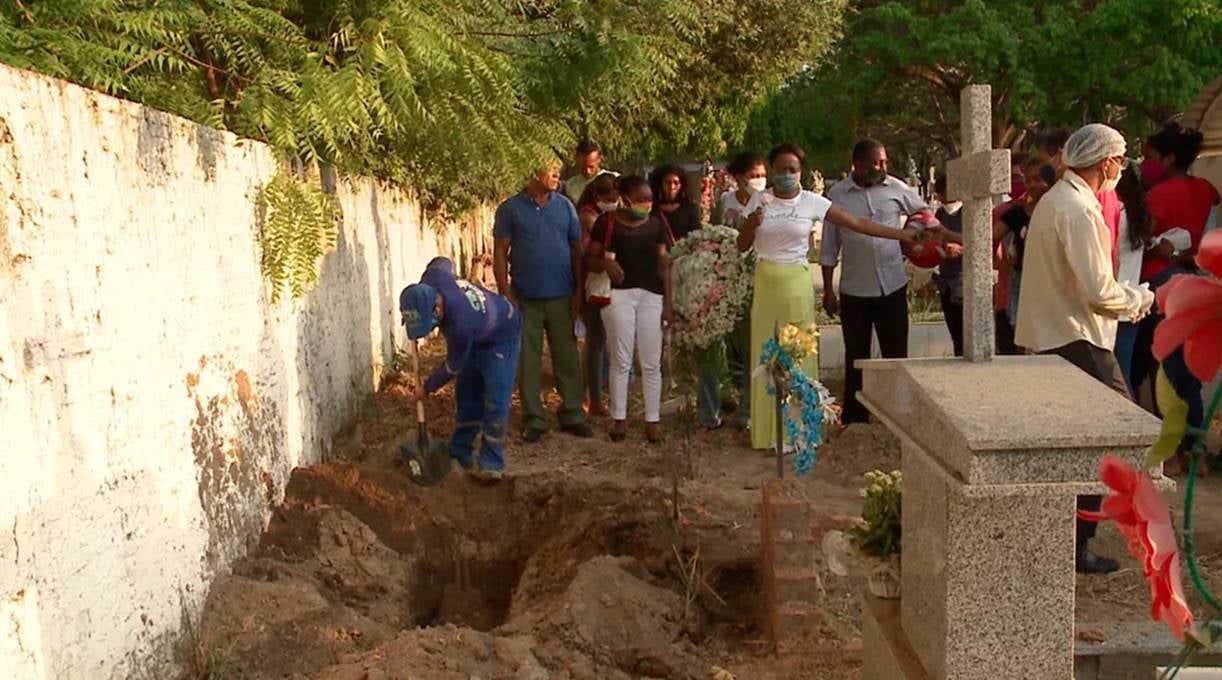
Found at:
<point>417,303</point>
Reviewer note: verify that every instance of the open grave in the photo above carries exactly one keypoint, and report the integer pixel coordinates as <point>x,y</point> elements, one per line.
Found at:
<point>574,566</point>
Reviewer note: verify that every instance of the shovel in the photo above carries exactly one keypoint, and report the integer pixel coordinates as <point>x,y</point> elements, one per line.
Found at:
<point>427,462</point>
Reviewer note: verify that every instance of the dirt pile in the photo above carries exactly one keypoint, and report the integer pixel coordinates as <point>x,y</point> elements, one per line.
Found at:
<point>608,624</point>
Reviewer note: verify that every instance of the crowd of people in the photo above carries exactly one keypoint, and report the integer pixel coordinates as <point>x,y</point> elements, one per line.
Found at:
<point>1082,241</point>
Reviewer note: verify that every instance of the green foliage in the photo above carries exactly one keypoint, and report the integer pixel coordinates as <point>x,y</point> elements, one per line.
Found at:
<point>458,99</point>
<point>297,226</point>
<point>1175,421</point>
<point>882,513</point>
<point>902,65</point>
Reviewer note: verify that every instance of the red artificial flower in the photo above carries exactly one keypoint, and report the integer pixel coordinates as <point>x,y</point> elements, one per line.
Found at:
<point>1193,309</point>
<point>1143,518</point>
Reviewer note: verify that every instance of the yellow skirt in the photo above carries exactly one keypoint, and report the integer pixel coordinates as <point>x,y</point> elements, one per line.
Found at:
<point>784,294</point>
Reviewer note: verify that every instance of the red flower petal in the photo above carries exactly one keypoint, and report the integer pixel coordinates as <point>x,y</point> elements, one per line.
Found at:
<point>1172,331</point>
<point>1209,254</point>
<point>1203,350</point>
<point>1189,293</point>
<point>1164,291</point>
<point>1117,474</point>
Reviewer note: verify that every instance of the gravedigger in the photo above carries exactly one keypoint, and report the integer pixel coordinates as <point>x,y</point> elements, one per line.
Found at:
<point>482,331</point>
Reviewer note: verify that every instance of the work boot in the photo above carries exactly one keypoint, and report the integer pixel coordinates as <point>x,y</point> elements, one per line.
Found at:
<point>533,434</point>
<point>581,430</point>
<point>487,476</point>
<point>1090,563</point>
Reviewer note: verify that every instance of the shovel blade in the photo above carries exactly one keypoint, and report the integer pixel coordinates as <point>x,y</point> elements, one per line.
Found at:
<point>426,465</point>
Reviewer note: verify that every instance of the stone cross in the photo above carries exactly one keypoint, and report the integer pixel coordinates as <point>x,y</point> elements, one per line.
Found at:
<point>974,178</point>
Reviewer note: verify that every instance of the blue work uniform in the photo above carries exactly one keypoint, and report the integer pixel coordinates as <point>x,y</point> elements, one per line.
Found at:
<point>482,332</point>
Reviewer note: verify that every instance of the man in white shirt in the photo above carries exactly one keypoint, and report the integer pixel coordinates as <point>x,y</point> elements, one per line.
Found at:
<point>874,284</point>
<point>588,160</point>
<point>1070,299</point>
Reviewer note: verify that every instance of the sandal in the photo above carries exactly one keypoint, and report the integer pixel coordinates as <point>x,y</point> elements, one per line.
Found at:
<point>653,432</point>
<point>619,431</point>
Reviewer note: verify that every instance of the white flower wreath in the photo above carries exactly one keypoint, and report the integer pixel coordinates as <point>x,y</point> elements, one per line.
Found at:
<point>711,286</point>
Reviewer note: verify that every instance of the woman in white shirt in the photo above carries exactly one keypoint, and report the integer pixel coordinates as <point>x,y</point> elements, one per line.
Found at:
<point>778,226</point>
<point>1134,237</point>
<point>750,173</point>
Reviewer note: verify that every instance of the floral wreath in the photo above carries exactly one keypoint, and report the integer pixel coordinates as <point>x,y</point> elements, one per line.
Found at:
<point>712,281</point>
<point>780,361</point>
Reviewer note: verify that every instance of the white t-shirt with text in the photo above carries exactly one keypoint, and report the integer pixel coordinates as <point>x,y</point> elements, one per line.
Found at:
<point>784,235</point>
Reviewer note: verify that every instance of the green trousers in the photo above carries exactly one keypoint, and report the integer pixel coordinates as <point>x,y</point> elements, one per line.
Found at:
<point>553,316</point>
<point>790,299</point>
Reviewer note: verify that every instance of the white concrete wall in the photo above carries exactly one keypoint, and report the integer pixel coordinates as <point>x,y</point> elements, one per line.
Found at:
<point>925,340</point>
<point>152,400</point>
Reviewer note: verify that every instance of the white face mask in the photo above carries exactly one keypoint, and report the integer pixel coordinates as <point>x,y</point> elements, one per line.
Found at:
<point>1109,183</point>
<point>757,184</point>
<point>607,206</point>
<point>952,207</point>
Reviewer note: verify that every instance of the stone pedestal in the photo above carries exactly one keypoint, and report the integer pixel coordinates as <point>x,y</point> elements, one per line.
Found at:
<point>994,456</point>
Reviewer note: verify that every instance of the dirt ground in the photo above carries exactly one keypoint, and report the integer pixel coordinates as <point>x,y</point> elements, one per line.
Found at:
<point>573,567</point>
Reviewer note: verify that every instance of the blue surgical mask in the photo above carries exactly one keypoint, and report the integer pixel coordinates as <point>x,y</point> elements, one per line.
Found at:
<point>787,181</point>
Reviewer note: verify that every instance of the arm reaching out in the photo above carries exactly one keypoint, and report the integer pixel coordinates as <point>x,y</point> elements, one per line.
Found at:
<point>847,220</point>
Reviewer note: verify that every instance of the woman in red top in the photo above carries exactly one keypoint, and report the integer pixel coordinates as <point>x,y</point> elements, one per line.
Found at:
<point>600,196</point>
<point>1179,206</point>
<point>1176,201</point>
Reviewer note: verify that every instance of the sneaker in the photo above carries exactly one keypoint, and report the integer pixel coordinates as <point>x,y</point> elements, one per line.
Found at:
<point>709,427</point>
<point>581,430</point>
<point>533,434</point>
<point>487,476</point>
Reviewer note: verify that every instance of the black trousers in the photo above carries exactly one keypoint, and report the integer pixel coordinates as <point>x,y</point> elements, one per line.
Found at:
<point>952,311</point>
<point>860,318</point>
<point>1101,365</point>
<point>1004,332</point>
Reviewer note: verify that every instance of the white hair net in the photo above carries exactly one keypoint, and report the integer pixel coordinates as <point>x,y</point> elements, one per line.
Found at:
<point>1091,144</point>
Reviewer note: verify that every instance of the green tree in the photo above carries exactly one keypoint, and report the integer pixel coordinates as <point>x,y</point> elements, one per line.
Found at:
<point>902,66</point>
<point>456,99</point>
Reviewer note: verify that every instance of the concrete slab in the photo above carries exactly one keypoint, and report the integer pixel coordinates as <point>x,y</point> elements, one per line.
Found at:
<point>1013,420</point>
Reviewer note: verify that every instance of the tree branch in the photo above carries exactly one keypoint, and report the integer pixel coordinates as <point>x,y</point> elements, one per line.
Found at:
<point>28,16</point>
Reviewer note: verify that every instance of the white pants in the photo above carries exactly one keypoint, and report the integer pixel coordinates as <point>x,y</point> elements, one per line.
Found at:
<point>634,318</point>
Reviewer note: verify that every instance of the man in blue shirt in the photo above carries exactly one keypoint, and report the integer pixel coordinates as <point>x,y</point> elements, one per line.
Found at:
<point>482,332</point>
<point>538,245</point>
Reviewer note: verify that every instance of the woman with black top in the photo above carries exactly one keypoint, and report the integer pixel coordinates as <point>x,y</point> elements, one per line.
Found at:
<point>676,209</point>
<point>630,245</point>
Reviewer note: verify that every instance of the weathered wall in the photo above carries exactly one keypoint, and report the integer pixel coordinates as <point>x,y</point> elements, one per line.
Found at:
<point>152,400</point>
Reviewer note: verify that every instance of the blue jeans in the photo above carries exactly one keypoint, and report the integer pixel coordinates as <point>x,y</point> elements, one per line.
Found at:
<point>708,385</point>
<point>1126,341</point>
<point>1016,283</point>
<point>483,390</point>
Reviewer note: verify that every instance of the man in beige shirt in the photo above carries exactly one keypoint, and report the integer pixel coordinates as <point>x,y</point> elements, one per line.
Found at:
<point>1070,299</point>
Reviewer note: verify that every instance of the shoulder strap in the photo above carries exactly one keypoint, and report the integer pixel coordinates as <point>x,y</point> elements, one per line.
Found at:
<point>670,235</point>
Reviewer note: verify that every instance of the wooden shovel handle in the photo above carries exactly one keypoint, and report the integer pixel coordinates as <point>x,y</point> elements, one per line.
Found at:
<point>419,384</point>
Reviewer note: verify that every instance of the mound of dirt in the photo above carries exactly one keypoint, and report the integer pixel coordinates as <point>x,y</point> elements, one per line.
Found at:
<point>609,623</point>
<point>614,617</point>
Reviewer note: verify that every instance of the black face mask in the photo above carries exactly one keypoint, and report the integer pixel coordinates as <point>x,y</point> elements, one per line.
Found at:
<point>872,177</point>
